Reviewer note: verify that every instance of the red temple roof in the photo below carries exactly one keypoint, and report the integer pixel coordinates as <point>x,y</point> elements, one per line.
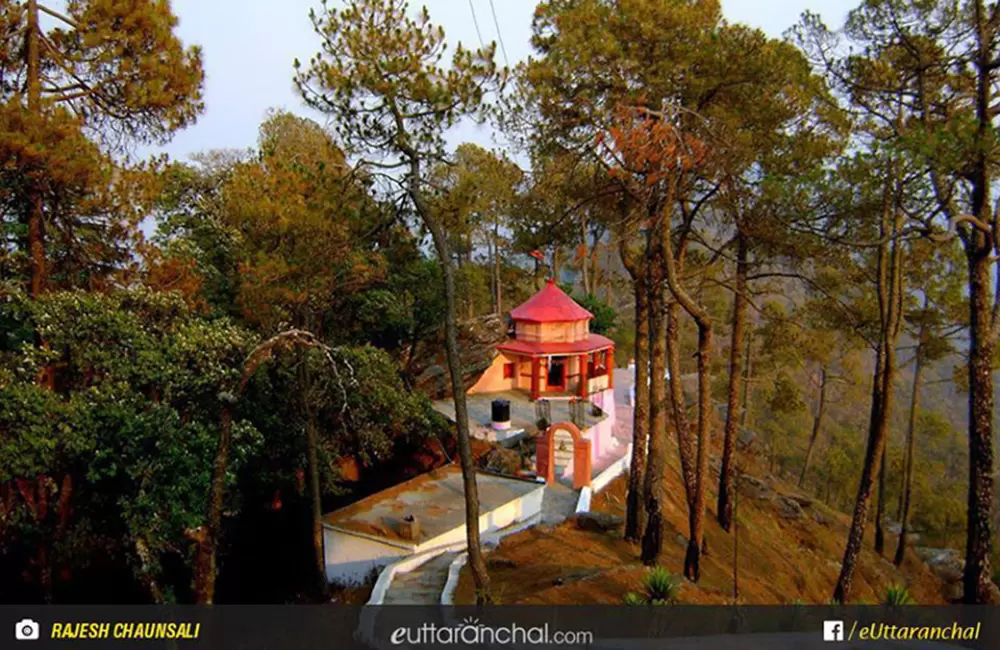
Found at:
<point>550,305</point>
<point>593,343</point>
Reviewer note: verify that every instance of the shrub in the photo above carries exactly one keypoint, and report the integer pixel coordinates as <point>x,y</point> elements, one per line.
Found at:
<point>502,461</point>
<point>660,587</point>
<point>898,595</point>
<point>632,598</point>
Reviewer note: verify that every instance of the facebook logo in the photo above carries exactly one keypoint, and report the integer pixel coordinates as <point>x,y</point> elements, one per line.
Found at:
<point>833,630</point>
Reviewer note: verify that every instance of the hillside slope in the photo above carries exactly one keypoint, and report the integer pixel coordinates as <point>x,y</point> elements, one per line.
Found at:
<point>790,549</point>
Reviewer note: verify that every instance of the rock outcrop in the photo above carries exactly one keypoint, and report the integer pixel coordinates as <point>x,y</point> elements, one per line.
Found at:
<point>789,508</point>
<point>598,522</point>
<point>948,564</point>
<point>477,339</point>
<point>753,487</point>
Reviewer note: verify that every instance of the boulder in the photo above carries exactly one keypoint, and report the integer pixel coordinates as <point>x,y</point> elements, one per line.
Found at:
<point>821,517</point>
<point>598,522</point>
<point>788,508</point>
<point>753,487</point>
<point>500,563</point>
<point>947,563</point>
<point>803,501</point>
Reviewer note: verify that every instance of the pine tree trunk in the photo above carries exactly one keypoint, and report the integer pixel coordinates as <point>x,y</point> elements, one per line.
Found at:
<point>747,375</point>
<point>476,562</point>
<point>860,517</point>
<point>316,504</point>
<point>696,510</point>
<point>889,271</point>
<point>889,289</point>
<point>817,425</point>
<point>697,543</point>
<point>880,508</point>
<point>312,461</point>
<point>635,511</point>
<point>497,281</point>
<point>736,354</point>
<point>204,572</point>
<point>977,580</point>
<point>36,216</point>
<point>685,445</point>
<point>904,514</point>
<point>655,487</point>
<point>978,587</point>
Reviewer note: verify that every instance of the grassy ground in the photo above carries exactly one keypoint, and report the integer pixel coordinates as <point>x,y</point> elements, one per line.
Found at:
<point>781,560</point>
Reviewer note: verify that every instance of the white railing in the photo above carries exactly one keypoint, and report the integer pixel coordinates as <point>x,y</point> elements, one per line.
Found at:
<point>597,384</point>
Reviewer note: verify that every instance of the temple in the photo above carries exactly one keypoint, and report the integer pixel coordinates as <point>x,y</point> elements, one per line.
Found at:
<point>552,352</point>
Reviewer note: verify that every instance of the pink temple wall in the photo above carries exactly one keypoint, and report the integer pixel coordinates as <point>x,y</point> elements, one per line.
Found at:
<point>601,436</point>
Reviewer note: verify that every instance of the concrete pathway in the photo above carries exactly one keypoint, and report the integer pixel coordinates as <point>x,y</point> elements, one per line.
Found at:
<point>423,585</point>
<point>559,501</point>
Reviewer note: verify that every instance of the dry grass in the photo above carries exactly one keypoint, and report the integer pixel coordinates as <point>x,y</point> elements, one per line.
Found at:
<point>781,560</point>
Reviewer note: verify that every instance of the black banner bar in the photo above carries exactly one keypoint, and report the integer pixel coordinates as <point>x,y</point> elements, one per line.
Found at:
<point>246,627</point>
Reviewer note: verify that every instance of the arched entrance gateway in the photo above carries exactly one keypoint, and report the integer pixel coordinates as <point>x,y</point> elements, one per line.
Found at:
<point>545,454</point>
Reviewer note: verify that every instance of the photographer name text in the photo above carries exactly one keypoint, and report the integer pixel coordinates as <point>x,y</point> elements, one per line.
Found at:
<point>125,630</point>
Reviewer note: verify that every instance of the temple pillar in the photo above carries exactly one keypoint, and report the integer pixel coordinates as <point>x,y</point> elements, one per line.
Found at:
<point>609,363</point>
<point>584,377</point>
<point>536,368</point>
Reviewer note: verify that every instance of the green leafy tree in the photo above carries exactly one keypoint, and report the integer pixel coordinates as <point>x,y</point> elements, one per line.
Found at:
<point>605,318</point>
<point>125,443</point>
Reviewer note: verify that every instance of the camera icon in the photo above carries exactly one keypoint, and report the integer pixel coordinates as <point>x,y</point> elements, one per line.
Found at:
<point>26,630</point>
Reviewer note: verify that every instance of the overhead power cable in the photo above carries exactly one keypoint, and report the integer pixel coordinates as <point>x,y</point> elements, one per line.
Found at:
<point>503,48</point>
<point>475,21</point>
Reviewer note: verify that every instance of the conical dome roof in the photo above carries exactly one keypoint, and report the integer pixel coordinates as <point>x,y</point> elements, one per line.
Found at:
<point>550,305</point>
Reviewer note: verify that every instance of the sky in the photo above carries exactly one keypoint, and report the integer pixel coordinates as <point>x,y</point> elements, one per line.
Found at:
<point>249,46</point>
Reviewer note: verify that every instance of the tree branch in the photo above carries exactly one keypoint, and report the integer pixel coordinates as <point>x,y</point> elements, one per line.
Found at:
<point>55,14</point>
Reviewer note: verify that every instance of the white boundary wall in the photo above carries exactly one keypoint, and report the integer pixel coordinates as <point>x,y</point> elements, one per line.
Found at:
<point>351,557</point>
<point>601,481</point>
<point>409,564</point>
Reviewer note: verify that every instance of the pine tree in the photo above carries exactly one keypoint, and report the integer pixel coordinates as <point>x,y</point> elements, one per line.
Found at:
<point>381,75</point>
<point>111,69</point>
